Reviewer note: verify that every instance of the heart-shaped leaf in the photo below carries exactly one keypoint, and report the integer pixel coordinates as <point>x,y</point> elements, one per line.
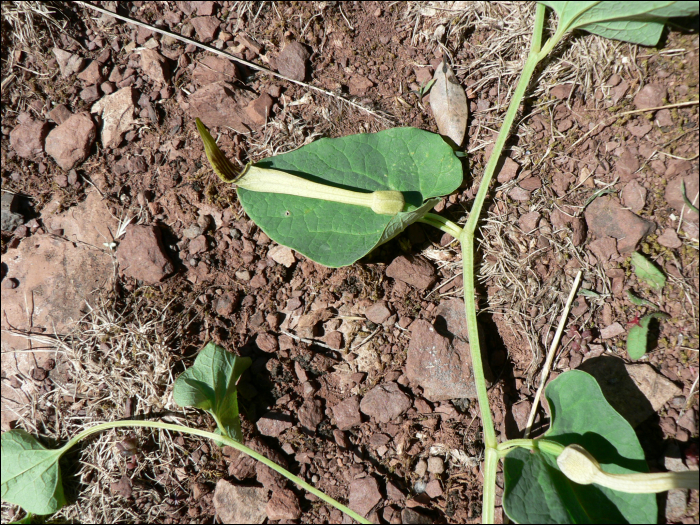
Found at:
<point>637,22</point>
<point>415,162</point>
<point>536,491</point>
<point>210,384</point>
<point>31,476</point>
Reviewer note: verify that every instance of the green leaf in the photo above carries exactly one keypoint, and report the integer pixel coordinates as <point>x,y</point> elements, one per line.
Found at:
<point>647,272</point>
<point>417,163</point>
<point>638,334</point>
<point>536,491</point>
<point>31,476</point>
<point>638,301</point>
<point>637,22</point>
<point>210,384</point>
<point>588,293</point>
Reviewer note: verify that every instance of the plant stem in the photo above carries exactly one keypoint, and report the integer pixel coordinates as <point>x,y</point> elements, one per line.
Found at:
<point>221,439</point>
<point>467,240</point>
<point>545,445</point>
<point>442,224</point>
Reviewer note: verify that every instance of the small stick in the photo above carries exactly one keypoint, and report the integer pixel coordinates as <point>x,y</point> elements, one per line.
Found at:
<point>230,57</point>
<point>550,354</point>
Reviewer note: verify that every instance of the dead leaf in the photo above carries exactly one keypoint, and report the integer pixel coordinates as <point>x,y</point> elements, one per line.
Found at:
<point>449,104</point>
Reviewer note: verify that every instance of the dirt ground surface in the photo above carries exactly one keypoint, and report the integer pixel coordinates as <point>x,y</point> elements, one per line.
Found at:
<point>123,254</point>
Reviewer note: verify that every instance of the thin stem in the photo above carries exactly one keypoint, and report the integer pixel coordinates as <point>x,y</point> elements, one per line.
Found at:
<point>442,224</point>
<point>467,240</point>
<point>545,445</point>
<point>221,439</point>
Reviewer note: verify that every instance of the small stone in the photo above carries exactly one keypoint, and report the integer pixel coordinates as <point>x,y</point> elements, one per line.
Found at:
<point>68,62</point>
<point>385,402</point>
<point>267,342</point>
<point>334,339</point>
<point>283,505</point>
<point>674,195</point>
<point>611,331</point>
<point>206,27</point>
<point>70,143</point>
<point>225,304</point>
<point>604,249</point>
<point>421,468</point>
<point>273,424</point>
<point>509,171</point>
<point>639,130</point>
<point>90,94</point>
<point>650,96</point>
<point>27,139</point>
<point>91,74</point>
<point>156,66</point>
<point>311,414</point>
<point>562,91</point>
<point>528,222</point>
<point>415,271</point>
<point>358,85</point>
<point>292,61</point>
<point>634,196</point>
<point>670,239</point>
<point>259,109</point>
<point>258,281</point>
<point>519,194</point>
<point>378,312</point>
<point>606,217</point>
<point>237,504</point>
<point>60,114</point>
<point>627,165</point>
<point>433,489</point>
<point>436,465</point>
<point>663,118</point>
<point>363,495</point>
<point>347,413</point>
<point>531,183</point>
<point>215,69</point>
<point>141,254</point>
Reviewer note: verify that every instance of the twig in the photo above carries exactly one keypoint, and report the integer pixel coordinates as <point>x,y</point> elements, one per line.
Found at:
<point>366,339</point>
<point>308,341</point>
<point>550,355</point>
<point>230,57</point>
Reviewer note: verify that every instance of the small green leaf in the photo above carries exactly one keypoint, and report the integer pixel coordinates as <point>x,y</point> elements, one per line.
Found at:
<point>31,476</point>
<point>417,163</point>
<point>647,271</point>
<point>637,336</point>
<point>638,301</point>
<point>588,293</point>
<point>210,384</point>
<point>637,22</point>
<point>536,491</point>
<point>686,199</point>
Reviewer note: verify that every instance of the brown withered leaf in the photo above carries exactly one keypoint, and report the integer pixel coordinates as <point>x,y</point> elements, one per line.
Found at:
<point>449,104</point>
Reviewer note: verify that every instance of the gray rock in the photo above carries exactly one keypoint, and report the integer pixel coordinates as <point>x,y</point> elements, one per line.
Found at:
<point>236,504</point>
<point>10,219</point>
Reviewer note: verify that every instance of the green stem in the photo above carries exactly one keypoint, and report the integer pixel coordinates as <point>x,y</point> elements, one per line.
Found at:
<point>221,439</point>
<point>442,224</point>
<point>467,240</point>
<point>545,445</point>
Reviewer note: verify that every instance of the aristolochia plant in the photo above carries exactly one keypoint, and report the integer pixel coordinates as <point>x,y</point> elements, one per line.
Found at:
<point>334,201</point>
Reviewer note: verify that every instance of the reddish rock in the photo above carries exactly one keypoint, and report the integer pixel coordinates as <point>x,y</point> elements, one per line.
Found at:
<point>292,61</point>
<point>267,342</point>
<point>634,196</point>
<point>562,91</point>
<point>258,281</point>
<point>363,495</point>
<point>650,96</point>
<point>509,171</point>
<point>219,104</point>
<point>358,85</point>
<point>91,74</point>
<point>117,112</point>
<point>215,69</point>
<point>60,114</point>
<point>28,138</point>
<point>674,195</point>
<point>90,94</point>
<point>206,27</point>
<point>311,414</point>
<point>259,109</point>
<point>347,413</point>
<point>433,489</point>
<point>669,239</point>
<point>519,194</point>
<point>528,222</point>
<point>237,504</point>
<point>141,255</point>
<point>156,66</point>
<point>578,225</point>
<point>378,312</point>
<point>205,8</point>
<point>611,331</point>
<point>385,402</point>
<point>198,245</point>
<point>334,339</point>
<point>412,270</point>
<point>283,505</point>
<point>70,143</point>
<point>605,216</point>
<point>68,62</point>
<point>226,304</point>
<point>273,424</point>
<point>627,165</point>
<point>604,249</point>
<point>531,183</point>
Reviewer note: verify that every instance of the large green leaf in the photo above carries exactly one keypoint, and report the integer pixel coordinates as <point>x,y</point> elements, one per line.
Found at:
<point>536,491</point>
<point>637,22</point>
<point>417,163</point>
<point>31,476</point>
<point>210,384</point>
